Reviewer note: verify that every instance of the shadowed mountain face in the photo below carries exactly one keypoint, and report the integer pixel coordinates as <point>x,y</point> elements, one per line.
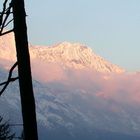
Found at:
<point>79,95</point>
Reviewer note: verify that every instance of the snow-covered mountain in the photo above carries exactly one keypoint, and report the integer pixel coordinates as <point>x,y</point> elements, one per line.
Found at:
<point>79,95</point>
<point>73,55</point>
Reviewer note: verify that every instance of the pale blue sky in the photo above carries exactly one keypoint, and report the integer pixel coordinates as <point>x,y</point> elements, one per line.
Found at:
<point>110,27</point>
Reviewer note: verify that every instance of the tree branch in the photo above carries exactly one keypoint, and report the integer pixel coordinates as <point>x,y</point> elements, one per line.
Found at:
<point>10,79</point>
<point>3,19</point>
<point>7,32</point>
<point>8,22</point>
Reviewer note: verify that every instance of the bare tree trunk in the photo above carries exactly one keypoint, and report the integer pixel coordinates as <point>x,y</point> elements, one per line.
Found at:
<point>24,70</point>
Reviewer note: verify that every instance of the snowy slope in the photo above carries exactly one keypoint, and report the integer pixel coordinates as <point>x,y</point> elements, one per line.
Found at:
<point>68,112</point>
<point>75,56</point>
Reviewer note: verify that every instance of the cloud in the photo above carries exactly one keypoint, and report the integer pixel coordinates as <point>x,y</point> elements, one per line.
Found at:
<point>47,72</point>
<point>108,86</point>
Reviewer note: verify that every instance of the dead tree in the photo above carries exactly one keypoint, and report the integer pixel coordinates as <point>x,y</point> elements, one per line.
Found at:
<point>24,70</point>
<point>23,62</point>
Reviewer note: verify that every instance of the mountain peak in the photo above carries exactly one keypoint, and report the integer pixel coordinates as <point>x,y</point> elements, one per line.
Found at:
<point>74,55</point>
<point>72,47</point>
<point>65,54</point>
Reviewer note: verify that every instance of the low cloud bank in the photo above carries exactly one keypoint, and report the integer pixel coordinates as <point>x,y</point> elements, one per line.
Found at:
<point>123,87</point>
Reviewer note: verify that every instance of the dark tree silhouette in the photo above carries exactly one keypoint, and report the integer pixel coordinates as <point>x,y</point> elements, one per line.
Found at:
<point>24,70</point>
<point>5,132</point>
<point>16,7</point>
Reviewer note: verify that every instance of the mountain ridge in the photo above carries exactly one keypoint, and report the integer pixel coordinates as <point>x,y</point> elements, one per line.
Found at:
<point>67,55</point>
<point>74,55</point>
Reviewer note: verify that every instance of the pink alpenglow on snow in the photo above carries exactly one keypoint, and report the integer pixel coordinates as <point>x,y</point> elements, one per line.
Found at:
<point>76,65</point>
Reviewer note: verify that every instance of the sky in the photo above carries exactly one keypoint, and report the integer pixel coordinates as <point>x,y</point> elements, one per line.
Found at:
<point>110,27</point>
